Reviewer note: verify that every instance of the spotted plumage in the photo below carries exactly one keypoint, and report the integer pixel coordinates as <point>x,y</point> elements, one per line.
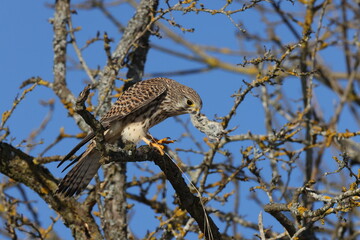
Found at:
<point>142,106</point>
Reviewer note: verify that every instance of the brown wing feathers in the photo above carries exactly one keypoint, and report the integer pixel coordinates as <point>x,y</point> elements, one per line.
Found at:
<point>133,99</point>
<point>79,177</point>
<point>87,164</point>
<point>75,149</point>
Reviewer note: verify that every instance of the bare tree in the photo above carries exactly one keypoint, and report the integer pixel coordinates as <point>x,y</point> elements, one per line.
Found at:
<point>300,166</point>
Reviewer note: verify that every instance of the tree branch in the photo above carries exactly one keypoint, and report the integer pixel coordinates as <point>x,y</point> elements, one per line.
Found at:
<point>137,27</point>
<point>21,167</point>
<point>61,18</point>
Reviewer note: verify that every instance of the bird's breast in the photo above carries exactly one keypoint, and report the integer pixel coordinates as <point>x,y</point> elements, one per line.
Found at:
<point>133,132</point>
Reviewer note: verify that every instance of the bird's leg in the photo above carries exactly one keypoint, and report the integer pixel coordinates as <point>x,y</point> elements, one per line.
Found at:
<point>153,142</point>
<point>161,141</point>
<point>158,146</point>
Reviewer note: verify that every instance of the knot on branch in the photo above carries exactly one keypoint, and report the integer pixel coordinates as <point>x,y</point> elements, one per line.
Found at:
<point>96,126</point>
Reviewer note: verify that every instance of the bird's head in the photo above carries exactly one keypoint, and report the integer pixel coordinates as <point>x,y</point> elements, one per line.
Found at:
<point>182,99</point>
<point>190,101</point>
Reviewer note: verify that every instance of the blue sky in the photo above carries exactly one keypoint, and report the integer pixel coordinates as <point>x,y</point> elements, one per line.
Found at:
<point>26,51</point>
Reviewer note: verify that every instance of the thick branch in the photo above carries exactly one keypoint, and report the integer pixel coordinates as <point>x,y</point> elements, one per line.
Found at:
<point>188,201</point>
<point>275,211</point>
<point>62,15</point>
<point>20,167</point>
<point>136,37</point>
<point>137,27</point>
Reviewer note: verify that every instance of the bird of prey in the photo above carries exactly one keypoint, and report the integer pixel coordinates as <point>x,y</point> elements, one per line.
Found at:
<point>139,108</point>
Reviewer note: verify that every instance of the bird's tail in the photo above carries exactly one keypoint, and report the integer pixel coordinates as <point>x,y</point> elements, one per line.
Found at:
<point>79,176</point>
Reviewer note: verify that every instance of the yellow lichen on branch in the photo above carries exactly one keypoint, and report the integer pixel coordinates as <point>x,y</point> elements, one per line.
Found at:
<point>43,83</point>
<point>6,115</point>
<point>186,1</point>
<point>302,210</point>
<point>330,134</point>
<point>69,106</point>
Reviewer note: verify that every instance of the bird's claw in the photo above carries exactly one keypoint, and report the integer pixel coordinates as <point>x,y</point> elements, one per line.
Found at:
<point>158,146</point>
<point>153,142</point>
<point>164,141</point>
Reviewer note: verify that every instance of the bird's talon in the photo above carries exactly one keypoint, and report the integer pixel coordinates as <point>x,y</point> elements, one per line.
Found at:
<point>154,144</point>
<point>158,147</point>
<point>165,141</point>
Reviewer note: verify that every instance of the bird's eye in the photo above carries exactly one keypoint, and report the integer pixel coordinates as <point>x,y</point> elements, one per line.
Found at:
<point>189,102</point>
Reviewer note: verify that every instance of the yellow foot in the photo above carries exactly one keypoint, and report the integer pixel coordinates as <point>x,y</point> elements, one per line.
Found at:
<point>159,147</point>
<point>153,142</point>
<point>164,141</point>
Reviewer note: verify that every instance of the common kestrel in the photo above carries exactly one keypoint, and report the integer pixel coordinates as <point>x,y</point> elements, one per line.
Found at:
<point>142,106</point>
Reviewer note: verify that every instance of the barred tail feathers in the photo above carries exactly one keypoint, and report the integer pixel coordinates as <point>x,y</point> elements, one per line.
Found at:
<point>81,174</point>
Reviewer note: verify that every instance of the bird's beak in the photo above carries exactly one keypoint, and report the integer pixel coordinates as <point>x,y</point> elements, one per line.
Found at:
<point>196,110</point>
